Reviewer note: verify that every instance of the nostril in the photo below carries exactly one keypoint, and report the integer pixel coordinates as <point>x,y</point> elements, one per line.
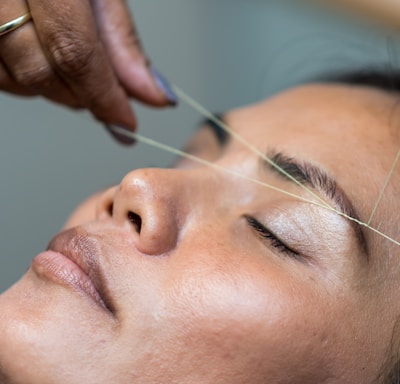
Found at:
<point>135,220</point>
<point>110,209</point>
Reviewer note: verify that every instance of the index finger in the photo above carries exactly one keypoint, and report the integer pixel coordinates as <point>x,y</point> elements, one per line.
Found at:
<point>68,35</point>
<point>122,43</point>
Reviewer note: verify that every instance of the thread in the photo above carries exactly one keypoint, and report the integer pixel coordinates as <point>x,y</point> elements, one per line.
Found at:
<point>385,185</point>
<point>167,148</point>
<point>204,112</point>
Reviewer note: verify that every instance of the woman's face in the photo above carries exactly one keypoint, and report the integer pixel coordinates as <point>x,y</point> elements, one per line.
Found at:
<point>197,275</point>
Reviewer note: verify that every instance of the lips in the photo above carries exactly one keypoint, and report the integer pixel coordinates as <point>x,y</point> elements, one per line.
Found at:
<point>72,260</point>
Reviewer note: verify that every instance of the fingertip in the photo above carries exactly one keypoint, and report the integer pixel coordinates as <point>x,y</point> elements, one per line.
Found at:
<point>121,134</point>
<point>146,84</point>
<point>115,110</point>
<point>164,86</point>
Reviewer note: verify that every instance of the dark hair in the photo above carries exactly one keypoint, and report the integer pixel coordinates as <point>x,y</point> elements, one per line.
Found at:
<point>384,79</point>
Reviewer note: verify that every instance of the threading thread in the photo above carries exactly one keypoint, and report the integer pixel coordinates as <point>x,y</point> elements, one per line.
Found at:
<point>388,178</point>
<point>203,111</point>
<point>178,152</point>
<point>197,106</point>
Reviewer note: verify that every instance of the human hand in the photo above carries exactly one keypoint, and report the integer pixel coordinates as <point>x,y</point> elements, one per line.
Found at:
<point>80,53</point>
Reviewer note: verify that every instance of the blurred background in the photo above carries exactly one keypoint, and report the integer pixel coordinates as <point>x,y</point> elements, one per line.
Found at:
<point>224,53</point>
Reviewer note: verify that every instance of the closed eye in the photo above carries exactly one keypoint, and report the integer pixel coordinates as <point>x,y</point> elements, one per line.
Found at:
<point>272,240</point>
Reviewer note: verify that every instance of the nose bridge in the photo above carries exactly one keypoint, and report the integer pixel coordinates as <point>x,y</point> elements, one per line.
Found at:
<point>156,203</point>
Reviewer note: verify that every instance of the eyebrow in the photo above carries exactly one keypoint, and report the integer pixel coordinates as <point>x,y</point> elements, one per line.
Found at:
<point>305,173</point>
<point>220,134</point>
<point>313,176</point>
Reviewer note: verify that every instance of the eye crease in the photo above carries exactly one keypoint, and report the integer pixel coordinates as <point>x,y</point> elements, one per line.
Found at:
<point>272,239</point>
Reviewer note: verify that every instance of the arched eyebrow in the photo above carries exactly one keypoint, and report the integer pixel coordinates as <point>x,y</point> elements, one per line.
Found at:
<point>313,176</point>
<point>305,173</point>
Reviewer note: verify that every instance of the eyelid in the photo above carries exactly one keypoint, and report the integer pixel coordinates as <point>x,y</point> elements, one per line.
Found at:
<point>274,241</point>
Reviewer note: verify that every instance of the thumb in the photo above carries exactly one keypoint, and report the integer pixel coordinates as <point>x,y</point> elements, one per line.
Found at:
<point>122,43</point>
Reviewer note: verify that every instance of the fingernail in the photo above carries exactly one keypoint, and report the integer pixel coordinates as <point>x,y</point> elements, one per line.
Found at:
<point>163,84</point>
<point>121,134</point>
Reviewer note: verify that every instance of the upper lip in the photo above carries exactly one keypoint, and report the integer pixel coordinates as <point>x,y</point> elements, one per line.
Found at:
<point>84,251</point>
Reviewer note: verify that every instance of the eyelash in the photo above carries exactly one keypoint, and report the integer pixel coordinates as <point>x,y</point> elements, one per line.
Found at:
<point>273,241</point>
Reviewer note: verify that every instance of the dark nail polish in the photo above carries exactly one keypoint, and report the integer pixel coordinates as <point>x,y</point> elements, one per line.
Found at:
<point>121,134</point>
<point>164,86</point>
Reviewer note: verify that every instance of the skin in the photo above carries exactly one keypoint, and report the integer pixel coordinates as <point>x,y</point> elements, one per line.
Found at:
<point>384,12</point>
<point>197,295</point>
<point>67,47</point>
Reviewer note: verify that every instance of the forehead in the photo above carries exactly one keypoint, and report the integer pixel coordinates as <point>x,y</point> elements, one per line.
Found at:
<point>328,111</point>
<point>351,132</point>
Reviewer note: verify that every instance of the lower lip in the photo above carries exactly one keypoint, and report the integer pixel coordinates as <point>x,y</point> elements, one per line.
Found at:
<point>60,269</point>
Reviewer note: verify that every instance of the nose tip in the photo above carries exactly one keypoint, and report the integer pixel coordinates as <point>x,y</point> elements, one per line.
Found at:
<point>144,204</point>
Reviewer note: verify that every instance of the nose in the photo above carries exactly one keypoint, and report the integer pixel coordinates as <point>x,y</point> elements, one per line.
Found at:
<point>149,203</point>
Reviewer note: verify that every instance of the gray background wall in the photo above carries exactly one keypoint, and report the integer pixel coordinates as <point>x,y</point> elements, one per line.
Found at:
<point>224,53</point>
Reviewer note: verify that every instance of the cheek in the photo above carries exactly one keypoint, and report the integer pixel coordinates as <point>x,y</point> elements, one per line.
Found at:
<point>240,324</point>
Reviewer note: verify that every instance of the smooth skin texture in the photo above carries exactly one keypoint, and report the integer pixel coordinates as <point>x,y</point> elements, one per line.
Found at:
<point>386,12</point>
<point>195,294</point>
<point>83,54</point>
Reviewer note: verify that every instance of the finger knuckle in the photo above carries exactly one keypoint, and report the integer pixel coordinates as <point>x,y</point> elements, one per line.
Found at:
<point>35,78</point>
<point>72,55</point>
